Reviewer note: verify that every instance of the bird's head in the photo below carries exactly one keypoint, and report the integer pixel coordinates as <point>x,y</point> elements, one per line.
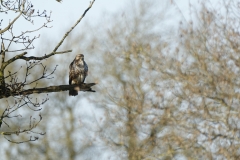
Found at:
<point>80,57</point>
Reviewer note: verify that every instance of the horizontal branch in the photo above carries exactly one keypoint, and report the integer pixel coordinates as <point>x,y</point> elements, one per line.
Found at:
<point>85,87</point>
<point>43,57</point>
<point>21,56</point>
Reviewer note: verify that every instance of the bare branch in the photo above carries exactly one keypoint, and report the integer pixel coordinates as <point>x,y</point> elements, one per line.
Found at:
<point>21,56</point>
<point>30,140</point>
<point>43,57</point>
<point>79,20</point>
<point>11,23</point>
<point>85,87</point>
<point>3,51</point>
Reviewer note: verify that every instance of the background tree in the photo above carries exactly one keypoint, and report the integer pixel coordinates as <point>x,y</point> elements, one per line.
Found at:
<point>170,94</point>
<point>16,79</point>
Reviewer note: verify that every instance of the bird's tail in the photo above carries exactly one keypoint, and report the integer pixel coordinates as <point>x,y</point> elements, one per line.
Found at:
<point>73,92</point>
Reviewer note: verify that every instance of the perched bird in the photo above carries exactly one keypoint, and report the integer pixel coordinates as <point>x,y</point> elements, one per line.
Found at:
<point>78,72</point>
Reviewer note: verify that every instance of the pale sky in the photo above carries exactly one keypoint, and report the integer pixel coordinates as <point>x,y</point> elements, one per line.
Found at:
<point>66,13</point>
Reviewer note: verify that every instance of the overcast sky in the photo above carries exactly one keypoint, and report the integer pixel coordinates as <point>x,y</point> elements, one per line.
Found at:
<point>66,13</point>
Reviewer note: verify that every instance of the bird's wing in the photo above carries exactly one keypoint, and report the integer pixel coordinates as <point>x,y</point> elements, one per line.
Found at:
<point>71,72</point>
<point>85,68</point>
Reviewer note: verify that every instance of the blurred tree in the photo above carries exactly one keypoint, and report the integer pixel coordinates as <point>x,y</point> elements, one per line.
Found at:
<point>17,82</point>
<point>169,95</point>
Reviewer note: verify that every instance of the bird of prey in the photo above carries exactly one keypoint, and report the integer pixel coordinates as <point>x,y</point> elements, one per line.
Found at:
<point>78,72</point>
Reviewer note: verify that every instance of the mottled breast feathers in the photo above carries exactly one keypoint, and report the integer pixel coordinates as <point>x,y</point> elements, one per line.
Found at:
<point>78,72</point>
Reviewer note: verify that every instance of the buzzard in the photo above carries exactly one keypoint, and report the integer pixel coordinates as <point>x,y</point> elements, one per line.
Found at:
<point>78,72</point>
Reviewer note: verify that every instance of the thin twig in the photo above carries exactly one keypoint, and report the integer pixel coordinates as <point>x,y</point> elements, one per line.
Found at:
<point>79,20</point>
